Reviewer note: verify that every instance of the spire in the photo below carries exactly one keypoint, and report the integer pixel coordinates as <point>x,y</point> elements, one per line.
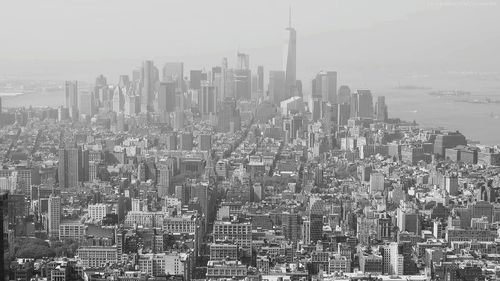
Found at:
<point>290,16</point>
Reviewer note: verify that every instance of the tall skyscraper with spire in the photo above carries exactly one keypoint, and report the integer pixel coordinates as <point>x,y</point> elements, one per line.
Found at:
<point>290,60</point>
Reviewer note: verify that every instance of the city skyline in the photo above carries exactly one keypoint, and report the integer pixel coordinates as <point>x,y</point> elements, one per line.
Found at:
<point>345,37</point>
<point>363,147</point>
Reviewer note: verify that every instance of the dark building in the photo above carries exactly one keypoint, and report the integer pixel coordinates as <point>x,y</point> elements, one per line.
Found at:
<point>448,140</point>
<point>3,243</point>
<point>195,77</point>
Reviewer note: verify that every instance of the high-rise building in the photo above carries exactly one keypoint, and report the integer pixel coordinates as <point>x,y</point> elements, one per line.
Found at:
<point>71,94</point>
<point>68,172</point>
<point>391,259</point>
<point>291,226</point>
<point>448,140</point>
<point>86,103</point>
<point>163,179</point>
<point>195,78</point>
<point>174,72</point>
<point>54,215</point>
<point>98,211</point>
<point>344,95</point>
<point>243,61</point>
<point>100,81</point>
<point>290,60</point>
<point>242,79</point>
<point>186,141</point>
<point>132,105</point>
<point>124,81</point>
<point>172,141</point>
<point>362,104</point>
<point>365,104</point>
<point>377,182</point>
<point>381,108</point>
<point>166,97</point>
<point>118,101</point>
<point>316,221</point>
<point>343,113</point>
<point>223,80</point>
<point>260,79</point>
<point>276,87</point>
<point>149,75</point>
<point>228,114</point>
<point>205,142</point>
<point>207,99</point>
<point>4,199</point>
<point>408,220</point>
<point>325,86</point>
<point>83,165</point>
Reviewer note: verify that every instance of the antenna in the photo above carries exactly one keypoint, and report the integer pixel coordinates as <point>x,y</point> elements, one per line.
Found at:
<point>290,16</point>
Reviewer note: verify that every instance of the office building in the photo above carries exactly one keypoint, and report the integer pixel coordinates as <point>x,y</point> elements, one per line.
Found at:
<point>86,103</point>
<point>186,141</point>
<point>324,86</point>
<point>71,95</point>
<point>98,211</point>
<point>344,95</point>
<point>149,76</point>
<point>364,104</point>
<point>448,140</point>
<point>166,97</point>
<point>377,182</point>
<point>54,215</point>
<point>260,79</point>
<point>195,78</point>
<point>205,142</point>
<point>290,61</point>
<point>381,109</point>
<point>228,117</point>
<point>207,100</point>
<point>69,167</point>
<point>392,261</point>
<point>276,87</point>
<point>174,72</point>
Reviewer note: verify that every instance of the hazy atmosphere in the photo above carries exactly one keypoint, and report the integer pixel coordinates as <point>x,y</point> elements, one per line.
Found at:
<point>75,39</point>
<point>256,140</point>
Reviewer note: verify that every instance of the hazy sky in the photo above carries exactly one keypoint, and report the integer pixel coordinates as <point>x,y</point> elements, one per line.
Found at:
<point>85,37</point>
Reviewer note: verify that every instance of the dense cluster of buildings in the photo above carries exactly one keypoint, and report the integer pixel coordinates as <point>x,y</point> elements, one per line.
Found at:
<point>213,177</point>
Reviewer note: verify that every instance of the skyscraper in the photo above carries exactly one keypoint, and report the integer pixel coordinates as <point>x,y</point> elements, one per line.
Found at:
<point>392,260</point>
<point>316,221</point>
<point>242,84</point>
<point>195,79</point>
<point>290,60</point>
<point>174,72</point>
<point>166,97</point>
<point>260,79</point>
<point>54,215</point>
<point>344,94</point>
<point>207,100</point>
<point>325,86</point>
<point>365,104</point>
<point>86,103</point>
<point>4,198</point>
<point>276,87</point>
<point>68,168</point>
<point>71,95</point>
<point>223,78</point>
<point>243,61</point>
<point>362,104</point>
<point>381,109</point>
<point>148,80</point>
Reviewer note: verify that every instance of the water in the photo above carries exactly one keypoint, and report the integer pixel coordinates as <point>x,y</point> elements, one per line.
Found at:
<point>480,122</point>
